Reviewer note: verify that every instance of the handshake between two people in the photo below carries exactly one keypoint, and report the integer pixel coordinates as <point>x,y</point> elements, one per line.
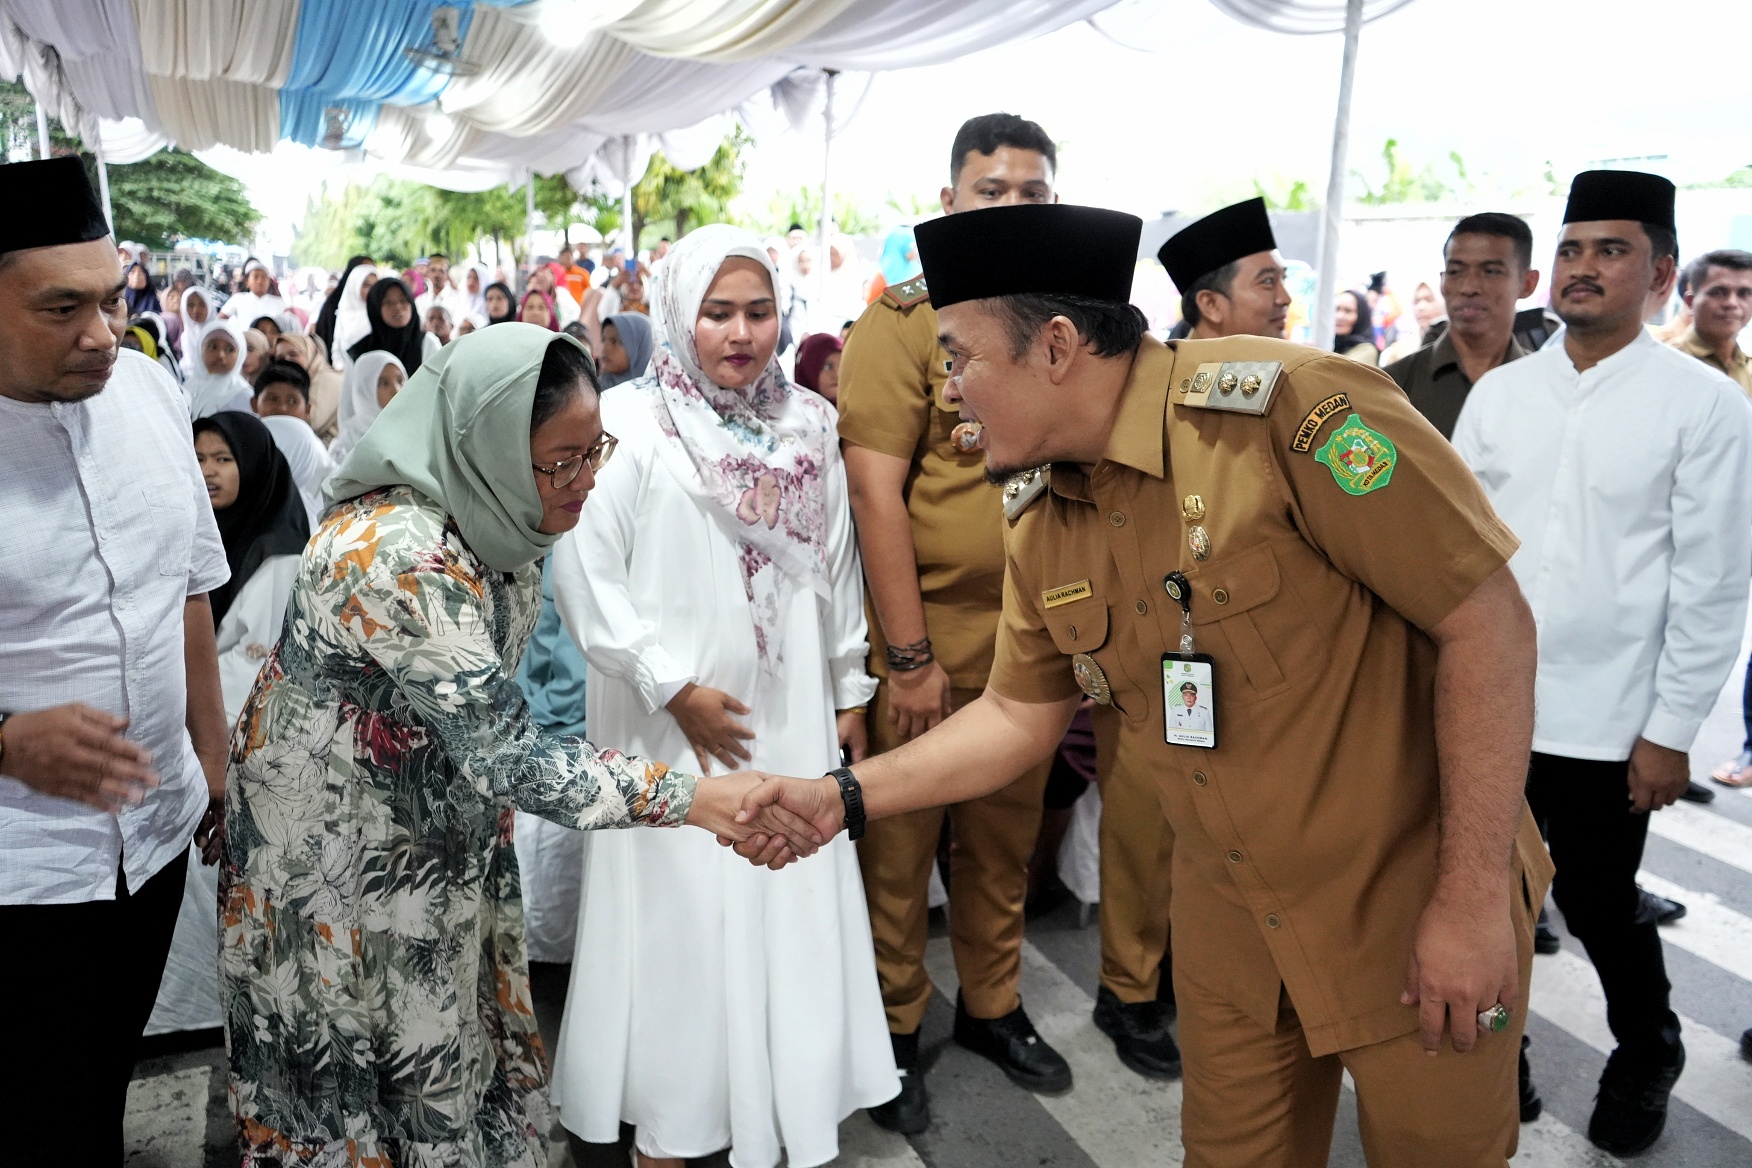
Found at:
<point>768,819</point>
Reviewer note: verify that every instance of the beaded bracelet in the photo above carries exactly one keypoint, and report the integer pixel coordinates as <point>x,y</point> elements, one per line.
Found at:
<point>903,658</point>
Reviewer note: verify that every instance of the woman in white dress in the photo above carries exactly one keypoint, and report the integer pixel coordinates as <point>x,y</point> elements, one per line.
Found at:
<point>714,587</point>
<point>264,525</point>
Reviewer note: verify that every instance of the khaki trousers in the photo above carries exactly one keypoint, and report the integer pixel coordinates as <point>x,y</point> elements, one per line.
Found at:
<point>1137,857</point>
<point>990,840</point>
<point>1258,1099</point>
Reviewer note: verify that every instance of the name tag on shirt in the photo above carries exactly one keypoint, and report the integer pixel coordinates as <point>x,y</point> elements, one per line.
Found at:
<point>1189,700</point>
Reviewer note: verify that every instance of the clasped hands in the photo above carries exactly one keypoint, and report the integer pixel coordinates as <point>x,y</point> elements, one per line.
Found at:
<point>769,820</point>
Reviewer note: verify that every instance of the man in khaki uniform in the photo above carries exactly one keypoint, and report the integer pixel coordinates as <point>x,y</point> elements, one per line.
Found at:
<point>1718,290</point>
<point>931,532</point>
<point>1355,868</point>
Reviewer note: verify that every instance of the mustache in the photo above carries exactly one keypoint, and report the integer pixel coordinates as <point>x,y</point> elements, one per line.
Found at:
<point>1582,282</point>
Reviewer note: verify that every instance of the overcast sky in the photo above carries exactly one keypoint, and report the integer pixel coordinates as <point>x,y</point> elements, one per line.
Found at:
<point>1213,104</point>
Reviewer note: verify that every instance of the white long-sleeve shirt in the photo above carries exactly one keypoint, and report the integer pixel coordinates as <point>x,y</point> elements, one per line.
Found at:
<point>1630,487</point>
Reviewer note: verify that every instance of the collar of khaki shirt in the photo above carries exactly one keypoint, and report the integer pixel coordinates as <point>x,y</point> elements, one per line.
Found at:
<point>1690,342</point>
<point>1136,440</point>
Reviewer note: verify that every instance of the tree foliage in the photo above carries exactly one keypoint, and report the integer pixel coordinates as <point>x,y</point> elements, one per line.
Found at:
<point>1406,183</point>
<point>173,196</point>
<point>850,216</point>
<point>689,198</point>
<point>396,221</point>
<point>1285,195</point>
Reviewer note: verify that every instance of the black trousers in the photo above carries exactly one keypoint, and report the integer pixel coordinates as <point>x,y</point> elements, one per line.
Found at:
<point>77,984</point>
<point>1596,841</point>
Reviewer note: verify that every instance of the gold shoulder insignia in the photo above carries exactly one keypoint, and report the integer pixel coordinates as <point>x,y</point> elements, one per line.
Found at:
<point>1023,489</point>
<point>1238,387</point>
<point>907,293</point>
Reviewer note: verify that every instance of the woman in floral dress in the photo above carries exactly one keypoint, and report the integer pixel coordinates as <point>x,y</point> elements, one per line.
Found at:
<point>375,982</point>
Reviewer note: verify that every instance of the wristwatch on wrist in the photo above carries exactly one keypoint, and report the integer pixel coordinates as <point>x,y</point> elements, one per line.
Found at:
<point>852,794</point>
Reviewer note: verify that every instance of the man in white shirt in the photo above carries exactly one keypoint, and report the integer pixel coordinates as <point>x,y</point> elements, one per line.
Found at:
<point>112,731</point>
<point>441,292</point>
<point>257,299</point>
<point>1625,467</point>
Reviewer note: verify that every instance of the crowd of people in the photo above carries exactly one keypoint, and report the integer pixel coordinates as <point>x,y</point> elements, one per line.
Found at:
<point>336,630</point>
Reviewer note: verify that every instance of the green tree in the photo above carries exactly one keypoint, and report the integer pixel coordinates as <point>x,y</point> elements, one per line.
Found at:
<point>689,198</point>
<point>1291,196</point>
<point>854,218</point>
<point>1739,179</point>
<point>1405,183</point>
<point>173,196</point>
<point>396,221</point>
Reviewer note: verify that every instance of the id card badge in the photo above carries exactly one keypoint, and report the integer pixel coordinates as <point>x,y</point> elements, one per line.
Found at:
<point>1189,700</point>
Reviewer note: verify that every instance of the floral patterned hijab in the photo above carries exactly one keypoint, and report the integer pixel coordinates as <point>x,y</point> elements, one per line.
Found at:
<point>753,457</point>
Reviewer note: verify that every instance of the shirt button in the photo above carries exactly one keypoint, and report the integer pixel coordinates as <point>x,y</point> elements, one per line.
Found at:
<point>1141,607</point>
<point>1234,857</point>
<point>1271,922</point>
<point>1117,519</point>
<point>1199,778</point>
<point>1220,595</point>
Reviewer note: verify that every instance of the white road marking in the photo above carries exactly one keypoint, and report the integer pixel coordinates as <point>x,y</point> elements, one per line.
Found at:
<point>1709,928</point>
<point>864,1145</point>
<point>166,1122</point>
<point>1716,836</point>
<point>1716,1082</point>
<point>1120,1119</point>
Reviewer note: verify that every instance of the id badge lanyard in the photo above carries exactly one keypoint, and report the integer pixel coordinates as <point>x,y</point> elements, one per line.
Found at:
<point>1189,689</point>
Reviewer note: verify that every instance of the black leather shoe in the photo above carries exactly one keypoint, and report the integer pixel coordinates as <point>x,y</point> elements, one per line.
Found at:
<point>1657,908</point>
<point>1631,1109</point>
<point>1698,793</point>
<point>1545,937</point>
<point>1140,1035</point>
<point>1013,1044</point>
<point>1531,1104</point>
<point>908,1113</point>
<point>1746,1044</point>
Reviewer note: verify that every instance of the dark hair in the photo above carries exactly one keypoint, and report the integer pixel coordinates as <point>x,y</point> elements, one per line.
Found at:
<point>270,320</point>
<point>1220,281</point>
<point>1698,269</point>
<point>1664,239</point>
<point>565,365</point>
<point>283,371</point>
<point>1364,328</point>
<point>1111,328</point>
<point>987,132</point>
<point>577,329</point>
<point>1510,227</point>
<point>437,255</point>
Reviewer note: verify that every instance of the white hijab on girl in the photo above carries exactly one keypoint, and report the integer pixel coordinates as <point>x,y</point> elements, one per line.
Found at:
<point>359,406</point>
<point>209,393</point>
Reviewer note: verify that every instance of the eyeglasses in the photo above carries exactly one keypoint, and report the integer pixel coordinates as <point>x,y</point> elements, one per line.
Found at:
<point>562,474</point>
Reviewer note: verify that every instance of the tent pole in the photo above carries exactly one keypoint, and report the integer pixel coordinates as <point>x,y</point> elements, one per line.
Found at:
<point>1326,291</point>
<point>823,257</point>
<point>627,196</point>
<point>109,215</point>
<point>42,131</point>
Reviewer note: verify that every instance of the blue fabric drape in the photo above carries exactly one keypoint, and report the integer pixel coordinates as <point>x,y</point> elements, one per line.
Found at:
<point>346,48</point>
<point>302,120</point>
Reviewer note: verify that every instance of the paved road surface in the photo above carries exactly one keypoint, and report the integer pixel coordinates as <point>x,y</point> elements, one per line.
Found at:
<point>1113,1119</point>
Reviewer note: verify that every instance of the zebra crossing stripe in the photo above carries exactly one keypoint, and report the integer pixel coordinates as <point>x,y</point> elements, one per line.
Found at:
<point>1717,1081</point>
<point>1121,1119</point>
<point>1712,834</point>
<point>1709,928</point>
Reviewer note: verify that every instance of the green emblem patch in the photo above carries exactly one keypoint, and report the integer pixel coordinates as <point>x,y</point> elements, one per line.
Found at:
<point>1361,459</point>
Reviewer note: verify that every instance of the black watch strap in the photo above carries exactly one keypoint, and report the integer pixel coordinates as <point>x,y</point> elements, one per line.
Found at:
<point>852,794</point>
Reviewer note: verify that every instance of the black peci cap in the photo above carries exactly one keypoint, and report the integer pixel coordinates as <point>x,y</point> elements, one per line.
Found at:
<point>1048,249</point>
<point>62,206</point>
<point>1222,237</point>
<point>1620,194</point>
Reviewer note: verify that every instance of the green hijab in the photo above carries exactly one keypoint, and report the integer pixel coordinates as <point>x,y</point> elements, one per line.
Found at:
<point>458,433</point>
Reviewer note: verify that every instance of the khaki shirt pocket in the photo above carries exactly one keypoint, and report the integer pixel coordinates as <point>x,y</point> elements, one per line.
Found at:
<point>1078,627</point>
<point>1227,595</point>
